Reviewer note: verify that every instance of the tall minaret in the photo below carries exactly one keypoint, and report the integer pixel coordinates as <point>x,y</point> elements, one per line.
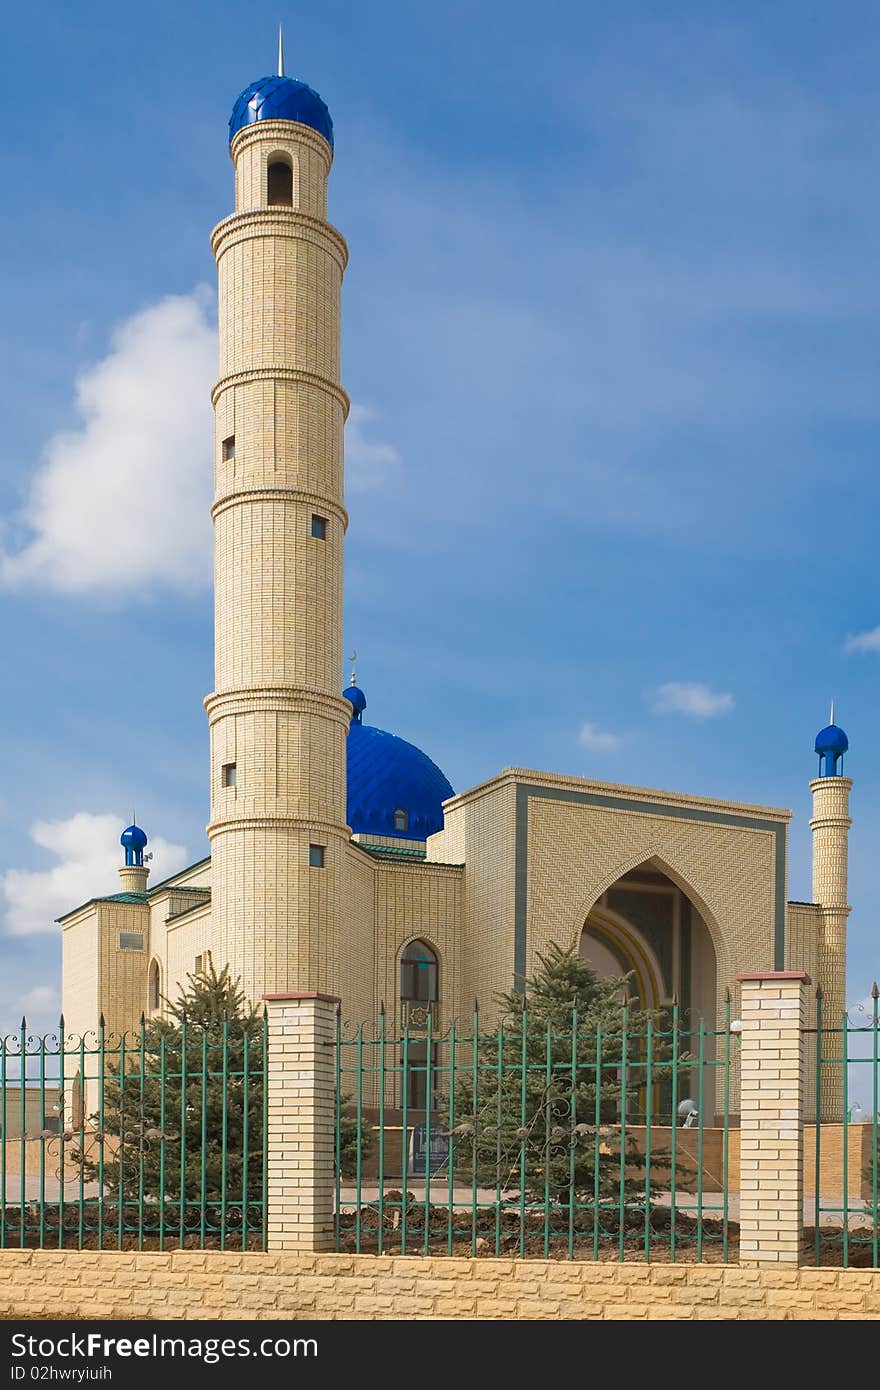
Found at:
<point>830,826</point>
<point>278,723</point>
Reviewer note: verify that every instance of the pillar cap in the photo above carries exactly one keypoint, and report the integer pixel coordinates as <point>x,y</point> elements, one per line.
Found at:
<point>753,976</point>
<point>289,998</point>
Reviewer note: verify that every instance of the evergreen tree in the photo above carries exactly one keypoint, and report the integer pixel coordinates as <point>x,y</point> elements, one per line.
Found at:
<point>184,1079</point>
<point>530,1122</point>
<point>348,1139</point>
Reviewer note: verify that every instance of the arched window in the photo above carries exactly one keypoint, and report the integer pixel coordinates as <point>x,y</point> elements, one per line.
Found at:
<point>154,987</point>
<point>401,819</point>
<point>279,183</point>
<point>419,974</point>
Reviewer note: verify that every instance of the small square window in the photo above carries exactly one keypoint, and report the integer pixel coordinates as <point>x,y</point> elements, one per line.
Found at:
<point>202,962</point>
<point>316,856</point>
<point>229,775</point>
<point>319,528</point>
<point>229,448</point>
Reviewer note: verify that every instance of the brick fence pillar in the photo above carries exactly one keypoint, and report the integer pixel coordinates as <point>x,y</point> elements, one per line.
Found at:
<point>302,1112</point>
<point>771,1212</point>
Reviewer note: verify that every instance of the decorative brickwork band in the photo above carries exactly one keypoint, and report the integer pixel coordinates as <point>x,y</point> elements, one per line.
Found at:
<point>772,1117</point>
<point>302,1077</point>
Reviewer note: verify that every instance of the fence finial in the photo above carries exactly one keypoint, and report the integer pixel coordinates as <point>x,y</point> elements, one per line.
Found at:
<point>101,1021</point>
<point>819,992</point>
<point>727,995</point>
<point>875,992</point>
<point>382,1008</point>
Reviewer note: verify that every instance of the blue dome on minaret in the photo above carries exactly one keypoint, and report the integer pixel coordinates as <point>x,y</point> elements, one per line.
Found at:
<point>831,744</point>
<point>281,99</point>
<point>134,842</point>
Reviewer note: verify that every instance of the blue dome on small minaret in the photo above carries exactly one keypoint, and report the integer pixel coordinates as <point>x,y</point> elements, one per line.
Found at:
<point>134,842</point>
<point>831,744</point>
<point>280,98</point>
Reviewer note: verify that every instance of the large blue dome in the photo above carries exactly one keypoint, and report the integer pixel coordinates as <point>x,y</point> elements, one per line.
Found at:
<point>386,776</point>
<point>281,99</point>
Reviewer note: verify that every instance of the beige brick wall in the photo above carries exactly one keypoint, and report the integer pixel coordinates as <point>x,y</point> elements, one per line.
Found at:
<point>80,970</point>
<point>208,1285</point>
<point>576,852</point>
<point>190,937</point>
<point>357,947</point>
<point>302,1122</point>
<point>123,974</point>
<point>771,1121</point>
<point>415,901</point>
<point>802,944</point>
<point>480,833</point>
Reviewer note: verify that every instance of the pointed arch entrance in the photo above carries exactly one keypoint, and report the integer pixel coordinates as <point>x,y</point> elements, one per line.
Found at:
<point>646,926</point>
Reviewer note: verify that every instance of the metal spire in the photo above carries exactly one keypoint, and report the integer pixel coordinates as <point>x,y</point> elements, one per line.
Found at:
<point>280,50</point>
<point>353,659</point>
<point>831,720</point>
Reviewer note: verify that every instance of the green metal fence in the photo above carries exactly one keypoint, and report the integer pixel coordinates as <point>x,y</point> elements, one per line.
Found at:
<point>523,1140</point>
<point>147,1140</point>
<point>846,1154</point>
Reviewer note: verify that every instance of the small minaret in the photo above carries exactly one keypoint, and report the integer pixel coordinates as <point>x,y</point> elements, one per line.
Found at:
<point>830,826</point>
<point>134,872</point>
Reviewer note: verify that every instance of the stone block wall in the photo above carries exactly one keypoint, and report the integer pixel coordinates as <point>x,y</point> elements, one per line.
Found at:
<point>210,1284</point>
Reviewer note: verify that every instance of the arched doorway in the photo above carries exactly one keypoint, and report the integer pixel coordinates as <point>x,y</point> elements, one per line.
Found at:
<point>646,926</point>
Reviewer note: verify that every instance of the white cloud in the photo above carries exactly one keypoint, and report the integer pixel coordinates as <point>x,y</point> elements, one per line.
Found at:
<point>87,849</point>
<point>598,740</point>
<point>693,698</point>
<point>123,500</point>
<point>863,641</point>
<point>367,465</point>
<point>42,999</point>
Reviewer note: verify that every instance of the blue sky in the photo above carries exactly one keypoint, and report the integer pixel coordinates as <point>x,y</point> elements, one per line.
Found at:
<point>612,331</point>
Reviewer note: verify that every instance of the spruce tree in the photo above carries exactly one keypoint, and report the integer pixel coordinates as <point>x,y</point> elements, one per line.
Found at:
<point>182,1082</point>
<point>529,1125</point>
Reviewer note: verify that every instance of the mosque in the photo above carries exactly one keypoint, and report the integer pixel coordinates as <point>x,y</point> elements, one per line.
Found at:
<point>342,861</point>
